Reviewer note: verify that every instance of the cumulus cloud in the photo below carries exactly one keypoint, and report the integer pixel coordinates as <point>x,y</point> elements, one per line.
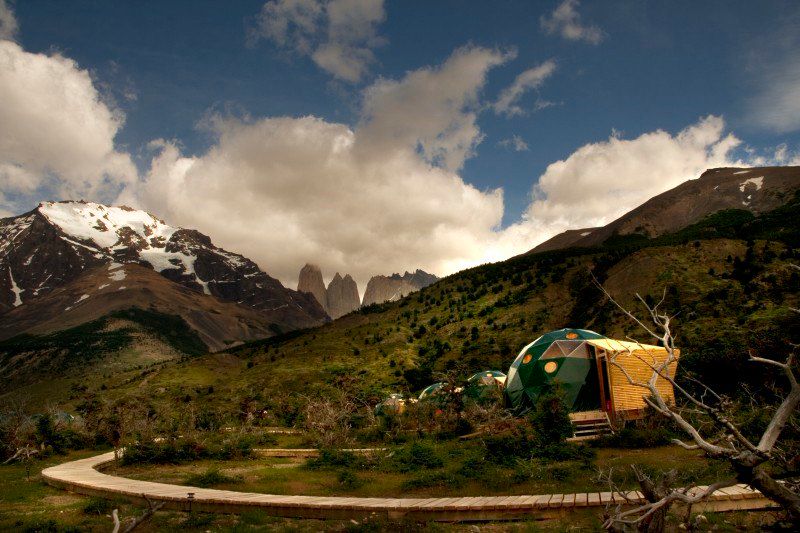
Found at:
<point>601,181</point>
<point>56,133</point>
<point>375,198</point>
<point>338,35</point>
<point>566,21</point>
<point>8,22</point>
<point>432,110</point>
<point>507,103</point>
<point>515,143</point>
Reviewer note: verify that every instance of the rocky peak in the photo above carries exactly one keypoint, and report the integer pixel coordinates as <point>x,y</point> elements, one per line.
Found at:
<point>390,288</point>
<point>310,281</point>
<point>342,296</point>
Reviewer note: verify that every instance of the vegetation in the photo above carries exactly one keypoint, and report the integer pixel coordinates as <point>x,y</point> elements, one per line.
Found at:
<point>728,277</point>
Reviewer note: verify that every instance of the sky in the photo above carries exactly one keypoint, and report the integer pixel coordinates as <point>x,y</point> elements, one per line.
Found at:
<point>376,136</point>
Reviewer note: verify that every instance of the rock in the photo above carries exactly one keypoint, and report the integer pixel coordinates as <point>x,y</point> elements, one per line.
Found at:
<point>342,296</point>
<point>390,288</point>
<point>310,281</point>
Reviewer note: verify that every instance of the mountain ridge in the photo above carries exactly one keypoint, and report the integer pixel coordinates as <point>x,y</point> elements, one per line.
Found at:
<point>756,189</point>
<point>55,243</point>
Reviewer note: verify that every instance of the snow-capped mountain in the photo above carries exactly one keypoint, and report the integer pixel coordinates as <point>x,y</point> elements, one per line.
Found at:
<point>55,243</point>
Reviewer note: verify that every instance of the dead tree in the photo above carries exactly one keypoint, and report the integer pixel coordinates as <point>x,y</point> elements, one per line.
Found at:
<point>747,457</point>
<point>132,523</point>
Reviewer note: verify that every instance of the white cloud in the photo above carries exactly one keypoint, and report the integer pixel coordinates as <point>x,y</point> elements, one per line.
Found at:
<point>56,134</point>
<point>775,106</point>
<point>432,110</point>
<point>377,198</point>
<point>601,181</point>
<point>532,78</point>
<point>566,21</point>
<point>382,196</point>
<point>8,22</point>
<point>515,143</point>
<point>338,35</point>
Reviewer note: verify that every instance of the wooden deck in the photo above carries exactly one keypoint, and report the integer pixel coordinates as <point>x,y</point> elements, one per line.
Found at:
<point>309,452</point>
<point>82,477</point>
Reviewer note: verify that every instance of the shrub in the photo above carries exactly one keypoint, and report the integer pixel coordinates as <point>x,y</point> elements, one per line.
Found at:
<point>507,447</point>
<point>349,480</point>
<point>416,456</point>
<point>176,451</point>
<point>210,478</point>
<point>550,417</point>
<point>635,438</point>
<point>98,506</point>
<point>335,459</point>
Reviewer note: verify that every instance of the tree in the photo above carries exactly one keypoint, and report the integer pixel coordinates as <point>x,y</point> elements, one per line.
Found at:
<point>717,434</point>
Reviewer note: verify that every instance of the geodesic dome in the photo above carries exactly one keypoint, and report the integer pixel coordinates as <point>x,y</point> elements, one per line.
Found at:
<point>561,357</point>
<point>394,404</point>
<point>594,372</point>
<point>485,385</point>
<point>432,390</point>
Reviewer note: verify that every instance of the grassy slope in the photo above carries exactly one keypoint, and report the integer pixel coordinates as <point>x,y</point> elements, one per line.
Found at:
<point>54,366</point>
<point>481,317</point>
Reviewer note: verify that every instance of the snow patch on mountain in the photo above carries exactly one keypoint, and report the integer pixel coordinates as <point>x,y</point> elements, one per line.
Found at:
<point>15,289</point>
<point>758,182</point>
<point>101,224</point>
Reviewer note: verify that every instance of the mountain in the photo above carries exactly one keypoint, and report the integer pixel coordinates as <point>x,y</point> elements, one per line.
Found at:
<point>105,289</point>
<point>342,296</point>
<point>758,190</point>
<point>729,279</point>
<point>310,280</point>
<point>58,242</point>
<point>391,288</point>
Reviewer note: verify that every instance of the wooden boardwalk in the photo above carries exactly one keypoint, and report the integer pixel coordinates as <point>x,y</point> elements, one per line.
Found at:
<point>309,452</point>
<point>82,477</point>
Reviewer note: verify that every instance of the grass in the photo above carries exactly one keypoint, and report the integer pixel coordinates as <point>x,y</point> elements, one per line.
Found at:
<point>30,505</point>
<point>462,473</point>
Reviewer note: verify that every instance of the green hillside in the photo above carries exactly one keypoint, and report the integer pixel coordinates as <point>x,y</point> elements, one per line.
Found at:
<point>43,368</point>
<point>729,278</point>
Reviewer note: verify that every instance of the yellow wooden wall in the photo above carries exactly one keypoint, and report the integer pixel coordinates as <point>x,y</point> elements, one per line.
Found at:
<point>626,396</point>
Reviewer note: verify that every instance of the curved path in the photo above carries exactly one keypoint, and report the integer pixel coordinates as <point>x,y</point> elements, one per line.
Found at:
<point>82,477</point>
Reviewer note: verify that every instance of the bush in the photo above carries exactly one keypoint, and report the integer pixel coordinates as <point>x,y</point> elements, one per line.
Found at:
<point>635,438</point>
<point>210,478</point>
<point>567,451</point>
<point>349,480</point>
<point>175,451</point>
<point>550,418</point>
<point>335,459</point>
<point>415,456</point>
<point>98,506</point>
<point>506,448</point>
<point>433,479</point>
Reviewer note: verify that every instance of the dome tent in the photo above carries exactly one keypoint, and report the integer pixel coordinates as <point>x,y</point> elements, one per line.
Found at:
<point>559,356</point>
<point>485,385</point>
<point>394,404</point>
<point>591,369</point>
<point>431,391</point>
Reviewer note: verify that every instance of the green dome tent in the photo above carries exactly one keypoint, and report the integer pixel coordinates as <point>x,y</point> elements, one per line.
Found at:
<point>486,385</point>
<point>560,357</point>
<point>432,391</point>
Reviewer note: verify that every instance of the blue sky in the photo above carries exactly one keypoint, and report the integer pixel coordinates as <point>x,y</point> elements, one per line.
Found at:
<point>174,69</point>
